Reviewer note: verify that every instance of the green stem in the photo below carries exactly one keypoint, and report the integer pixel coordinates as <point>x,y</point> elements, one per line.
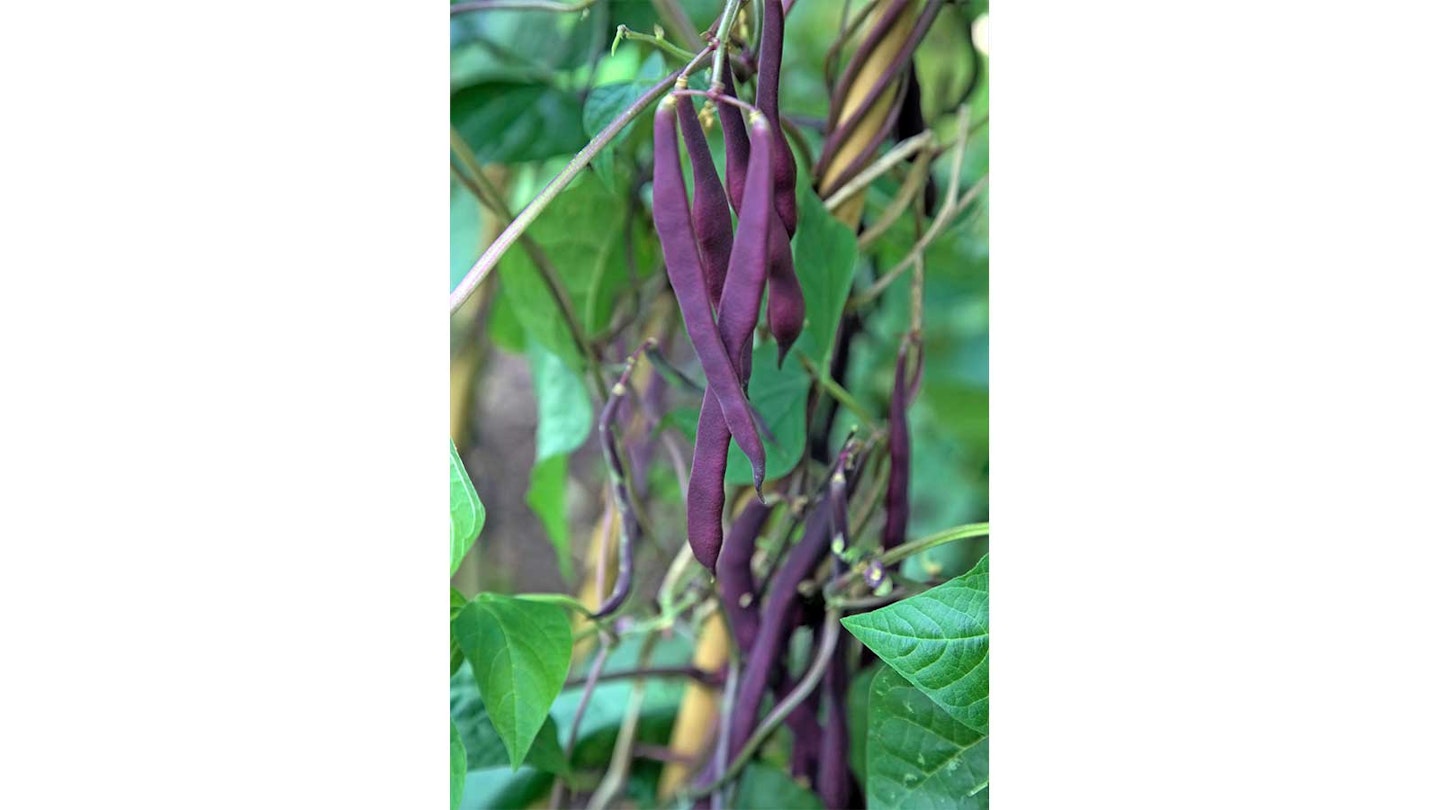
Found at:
<point>561,599</point>
<point>519,5</point>
<point>619,770</point>
<point>792,701</point>
<point>722,42</point>
<point>950,535</point>
<point>910,549</point>
<point>491,257</point>
<point>839,394</point>
<point>902,151</point>
<point>624,32</point>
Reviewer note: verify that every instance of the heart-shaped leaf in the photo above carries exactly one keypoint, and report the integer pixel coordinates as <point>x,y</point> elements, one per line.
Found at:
<point>467,514</point>
<point>520,651</point>
<point>939,640</point>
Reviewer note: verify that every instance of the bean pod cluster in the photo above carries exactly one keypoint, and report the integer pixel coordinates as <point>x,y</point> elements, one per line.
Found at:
<point>720,273</point>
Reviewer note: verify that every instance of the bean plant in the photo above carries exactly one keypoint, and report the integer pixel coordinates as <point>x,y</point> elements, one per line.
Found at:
<point>740,246</point>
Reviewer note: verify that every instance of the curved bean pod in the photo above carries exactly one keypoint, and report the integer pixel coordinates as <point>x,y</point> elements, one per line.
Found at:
<point>775,621</point>
<point>630,530</point>
<point>785,310</point>
<point>897,489</point>
<point>738,313</point>
<point>767,98</point>
<point>710,212</point>
<point>682,264</point>
<point>705,498</point>
<point>735,579</point>
<point>833,780</point>
<point>737,143</point>
<point>745,278</point>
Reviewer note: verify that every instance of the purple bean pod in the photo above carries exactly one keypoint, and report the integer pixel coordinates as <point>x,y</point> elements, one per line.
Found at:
<point>739,308</point>
<point>738,312</point>
<point>785,309</point>
<point>737,143</point>
<point>804,725</point>
<point>705,499</point>
<point>735,579</point>
<point>710,210</point>
<point>838,501</point>
<point>767,98</point>
<point>776,616</point>
<point>682,263</point>
<point>897,489</point>
<point>630,530</point>
<point>832,781</point>
<point>804,722</point>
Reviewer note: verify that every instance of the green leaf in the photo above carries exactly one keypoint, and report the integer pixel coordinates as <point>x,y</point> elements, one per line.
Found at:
<point>939,640</point>
<point>583,233</point>
<point>505,329</point>
<point>503,789</point>
<point>825,253</point>
<point>483,746</point>
<point>524,647</point>
<point>564,421</point>
<point>457,657</point>
<point>467,514</point>
<point>779,397</point>
<point>857,706</point>
<point>515,122</point>
<point>564,415</point>
<point>457,767</point>
<point>464,232</point>
<point>546,498</point>
<point>605,103</point>
<point>519,45</point>
<point>919,756</point>
<point>765,787</point>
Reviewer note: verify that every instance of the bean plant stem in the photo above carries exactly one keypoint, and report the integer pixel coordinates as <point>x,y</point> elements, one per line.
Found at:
<point>902,151</point>
<point>722,42</point>
<point>491,257</point>
<point>619,770</point>
<point>910,189</point>
<point>829,638</point>
<point>691,672</point>
<point>912,548</point>
<point>918,251</point>
<point>491,198</point>
<point>519,5</point>
<point>624,32</point>
<point>557,796</point>
<point>839,394</point>
<point>948,211</point>
<point>564,600</point>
